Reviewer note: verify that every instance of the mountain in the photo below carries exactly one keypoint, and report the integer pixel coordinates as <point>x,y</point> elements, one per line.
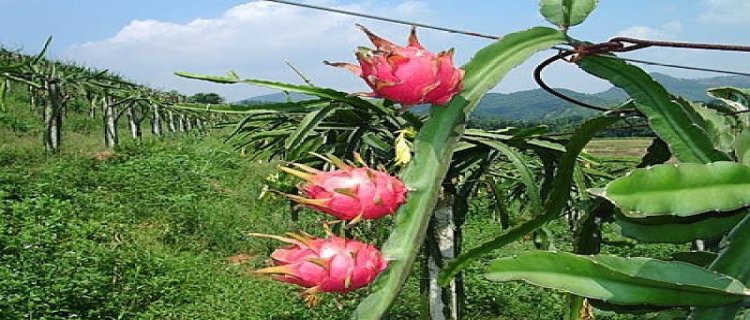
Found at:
<point>692,89</point>
<point>537,104</point>
<point>276,97</point>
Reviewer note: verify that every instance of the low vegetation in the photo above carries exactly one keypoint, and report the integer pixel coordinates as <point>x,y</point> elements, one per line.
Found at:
<point>158,230</point>
<point>500,222</point>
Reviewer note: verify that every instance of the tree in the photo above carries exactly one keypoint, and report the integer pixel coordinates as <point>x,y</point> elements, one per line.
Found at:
<point>53,84</point>
<point>211,98</point>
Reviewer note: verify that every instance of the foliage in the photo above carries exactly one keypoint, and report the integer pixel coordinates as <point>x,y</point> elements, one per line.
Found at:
<point>692,132</point>
<point>682,190</point>
<point>543,189</point>
<point>211,97</point>
<point>566,13</point>
<point>127,237</point>
<point>168,215</point>
<point>625,281</point>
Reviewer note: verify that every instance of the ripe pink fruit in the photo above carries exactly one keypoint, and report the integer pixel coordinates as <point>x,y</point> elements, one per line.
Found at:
<point>408,75</point>
<point>350,193</point>
<point>324,265</point>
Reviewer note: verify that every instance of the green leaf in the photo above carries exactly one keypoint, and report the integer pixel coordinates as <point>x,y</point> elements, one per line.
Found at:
<point>698,258</point>
<point>41,53</point>
<point>708,228</point>
<point>635,309</point>
<point>527,177</point>
<point>500,205</point>
<point>627,281</point>
<point>309,145</point>
<point>302,106</point>
<point>478,133</point>
<point>544,144</point>
<point>3,93</point>
<point>566,13</point>
<point>229,79</point>
<point>588,233</point>
<point>742,147</point>
<point>553,207</point>
<point>322,93</point>
<point>720,128</point>
<point>681,190</point>
<point>308,124</point>
<point>433,148</point>
<point>670,120</point>
<point>374,141</point>
<point>563,180</point>
<point>732,261</point>
<point>543,239</point>
<point>738,99</point>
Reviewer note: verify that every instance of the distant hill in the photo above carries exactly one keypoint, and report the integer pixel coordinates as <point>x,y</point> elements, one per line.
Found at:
<point>276,97</point>
<point>692,89</point>
<point>534,105</point>
<point>537,104</point>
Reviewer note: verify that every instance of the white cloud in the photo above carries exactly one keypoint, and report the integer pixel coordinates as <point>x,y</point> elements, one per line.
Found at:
<point>253,38</point>
<point>674,26</point>
<point>726,12</point>
<point>642,32</point>
<point>667,31</point>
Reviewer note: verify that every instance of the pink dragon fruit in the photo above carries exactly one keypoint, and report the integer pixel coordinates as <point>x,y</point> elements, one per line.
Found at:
<point>324,265</point>
<point>408,75</point>
<point>350,193</point>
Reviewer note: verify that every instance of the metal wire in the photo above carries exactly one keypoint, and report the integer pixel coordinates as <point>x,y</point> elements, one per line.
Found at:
<point>684,45</point>
<point>618,45</point>
<point>676,66</point>
<point>545,87</point>
<point>404,22</point>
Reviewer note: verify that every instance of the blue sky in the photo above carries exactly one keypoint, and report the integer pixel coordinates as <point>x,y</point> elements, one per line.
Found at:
<point>147,40</point>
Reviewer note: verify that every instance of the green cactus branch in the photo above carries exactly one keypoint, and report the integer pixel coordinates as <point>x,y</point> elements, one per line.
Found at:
<point>433,149</point>
<point>553,207</point>
<point>732,261</point>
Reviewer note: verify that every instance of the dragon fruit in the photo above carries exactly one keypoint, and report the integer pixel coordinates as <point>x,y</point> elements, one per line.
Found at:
<point>408,75</point>
<point>324,265</point>
<point>349,193</point>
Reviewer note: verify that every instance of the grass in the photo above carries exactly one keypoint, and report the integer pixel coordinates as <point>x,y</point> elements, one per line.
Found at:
<point>158,230</point>
<point>145,234</point>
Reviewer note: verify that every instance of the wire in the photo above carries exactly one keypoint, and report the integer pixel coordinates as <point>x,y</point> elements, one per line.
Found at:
<point>677,66</point>
<point>368,16</point>
<point>545,87</point>
<point>641,43</point>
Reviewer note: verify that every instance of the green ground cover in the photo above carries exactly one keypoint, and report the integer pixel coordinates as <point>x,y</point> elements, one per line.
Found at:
<point>158,230</point>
